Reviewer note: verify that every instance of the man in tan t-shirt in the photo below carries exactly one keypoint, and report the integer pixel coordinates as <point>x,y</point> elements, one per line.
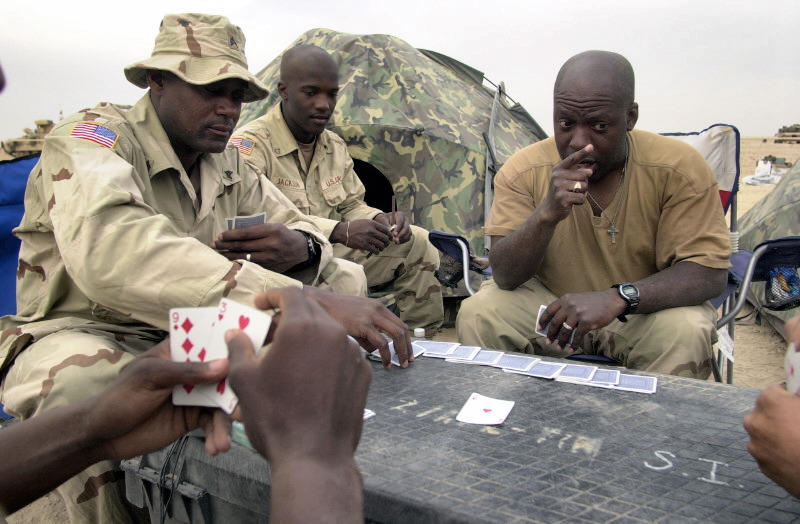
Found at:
<point>619,232</point>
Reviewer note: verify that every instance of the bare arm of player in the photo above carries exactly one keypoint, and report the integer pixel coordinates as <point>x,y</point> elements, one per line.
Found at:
<point>302,404</point>
<point>133,416</point>
<point>366,320</point>
<point>516,258</point>
<point>366,235</point>
<point>684,284</point>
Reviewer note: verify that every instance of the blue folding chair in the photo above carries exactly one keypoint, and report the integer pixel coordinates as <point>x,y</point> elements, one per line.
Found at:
<point>13,179</point>
<point>460,256</point>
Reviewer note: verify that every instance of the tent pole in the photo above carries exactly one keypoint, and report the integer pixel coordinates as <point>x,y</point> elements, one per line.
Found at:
<point>491,163</point>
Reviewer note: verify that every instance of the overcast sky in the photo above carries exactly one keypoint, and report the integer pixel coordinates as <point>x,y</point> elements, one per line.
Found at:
<point>697,62</point>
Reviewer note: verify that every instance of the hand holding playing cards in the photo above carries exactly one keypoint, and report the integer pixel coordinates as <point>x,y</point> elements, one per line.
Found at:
<point>774,428</point>
<point>365,320</point>
<point>134,415</point>
<point>272,246</point>
<point>302,404</point>
<point>575,314</point>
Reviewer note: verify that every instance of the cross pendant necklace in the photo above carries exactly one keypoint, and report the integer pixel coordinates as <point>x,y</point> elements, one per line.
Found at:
<point>614,230</point>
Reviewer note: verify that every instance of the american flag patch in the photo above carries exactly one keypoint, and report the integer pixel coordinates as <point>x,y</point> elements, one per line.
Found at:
<point>244,145</point>
<point>95,133</point>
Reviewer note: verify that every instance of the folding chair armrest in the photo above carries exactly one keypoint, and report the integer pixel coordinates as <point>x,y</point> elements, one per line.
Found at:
<point>744,285</point>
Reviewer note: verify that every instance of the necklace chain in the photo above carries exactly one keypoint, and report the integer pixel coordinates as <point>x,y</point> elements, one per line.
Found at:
<point>613,231</point>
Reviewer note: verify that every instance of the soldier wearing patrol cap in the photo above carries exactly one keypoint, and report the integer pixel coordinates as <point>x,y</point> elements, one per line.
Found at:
<point>312,167</point>
<point>125,218</point>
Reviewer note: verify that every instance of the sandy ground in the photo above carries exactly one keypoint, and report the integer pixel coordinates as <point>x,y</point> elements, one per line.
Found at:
<point>759,354</point>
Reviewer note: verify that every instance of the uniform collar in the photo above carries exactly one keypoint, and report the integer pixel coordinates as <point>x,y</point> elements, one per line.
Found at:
<point>156,145</point>
<point>283,141</point>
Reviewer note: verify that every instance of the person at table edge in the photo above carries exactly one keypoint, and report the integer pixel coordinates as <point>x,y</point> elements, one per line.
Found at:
<point>618,231</point>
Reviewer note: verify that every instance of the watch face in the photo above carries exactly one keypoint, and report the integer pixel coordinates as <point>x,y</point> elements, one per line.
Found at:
<point>629,291</point>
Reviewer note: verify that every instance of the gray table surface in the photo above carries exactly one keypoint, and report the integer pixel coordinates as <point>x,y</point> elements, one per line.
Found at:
<point>566,452</point>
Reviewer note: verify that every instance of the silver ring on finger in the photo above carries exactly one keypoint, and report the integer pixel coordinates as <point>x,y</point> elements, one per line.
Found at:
<point>567,326</point>
<point>247,257</point>
<point>577,187</point>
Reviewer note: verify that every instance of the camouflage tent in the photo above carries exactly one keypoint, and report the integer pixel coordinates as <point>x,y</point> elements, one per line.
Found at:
<point>417,125</point>
<point>774,216</point>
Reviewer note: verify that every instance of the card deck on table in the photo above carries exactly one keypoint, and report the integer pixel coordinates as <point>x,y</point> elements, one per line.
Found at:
<point>245,221</point>
<point>637,383</point>
<point>484,410</point>
<point>436,349</point>
<point>792,364</point>
<point>516,362</point>
<point>541,369</point>
<point>576,373</point>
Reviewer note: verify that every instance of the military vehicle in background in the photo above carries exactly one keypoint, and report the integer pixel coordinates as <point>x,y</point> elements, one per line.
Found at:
<point>31,142</point>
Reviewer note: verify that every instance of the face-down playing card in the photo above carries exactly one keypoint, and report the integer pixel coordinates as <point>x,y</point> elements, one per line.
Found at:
<point>436,349</point>
<point>637,383</point>
<point>516,362</point>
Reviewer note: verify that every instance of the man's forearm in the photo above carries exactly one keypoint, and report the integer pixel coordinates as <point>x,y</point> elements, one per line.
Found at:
<point>684,284</point>
<point>331,493</point>
<point>516,258</point>
<point>42,453</point>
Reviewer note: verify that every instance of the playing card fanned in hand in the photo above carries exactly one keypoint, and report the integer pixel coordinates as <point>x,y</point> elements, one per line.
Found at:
<point>484,410</point>
<point>198,335</point>
<point>255,324</point>
<point>189,341</point>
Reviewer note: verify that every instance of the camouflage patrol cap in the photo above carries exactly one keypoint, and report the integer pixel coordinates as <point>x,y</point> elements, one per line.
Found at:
<point>199,49</point>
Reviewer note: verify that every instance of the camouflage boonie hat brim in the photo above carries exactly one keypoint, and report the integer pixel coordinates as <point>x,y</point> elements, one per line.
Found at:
<point>199,49</point>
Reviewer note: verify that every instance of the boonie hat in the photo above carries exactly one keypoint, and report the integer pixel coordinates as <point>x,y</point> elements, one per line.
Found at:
<point>199,49</point>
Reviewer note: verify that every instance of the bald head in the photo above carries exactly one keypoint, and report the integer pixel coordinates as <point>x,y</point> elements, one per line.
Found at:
<point>309,86</point>
<point>607,72</point>
<point>302,59</point>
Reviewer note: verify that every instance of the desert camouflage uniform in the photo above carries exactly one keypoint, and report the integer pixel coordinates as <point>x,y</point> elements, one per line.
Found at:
<point>330,191</point>
<point>114,236</point>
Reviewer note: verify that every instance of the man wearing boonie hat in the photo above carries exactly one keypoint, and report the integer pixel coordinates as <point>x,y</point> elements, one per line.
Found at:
<point>123,217</point>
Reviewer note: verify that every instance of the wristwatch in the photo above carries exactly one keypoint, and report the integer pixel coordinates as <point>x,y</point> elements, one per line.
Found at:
<point>630,294</point>
<point>312,246</point>
<point>313,253</point>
